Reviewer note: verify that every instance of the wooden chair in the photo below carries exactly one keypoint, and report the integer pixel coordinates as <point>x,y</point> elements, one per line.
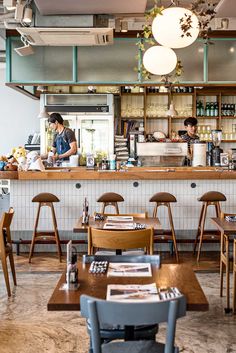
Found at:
<point>131,314</point>
<point>113,240</point>
<point>6,247</point>
<point>225,259</point>
<point>211,198</point>
<point>110,199</point>
<point>234,277</point>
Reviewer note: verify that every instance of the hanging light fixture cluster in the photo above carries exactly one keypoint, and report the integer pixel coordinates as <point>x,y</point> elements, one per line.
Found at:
<point>167,31</point>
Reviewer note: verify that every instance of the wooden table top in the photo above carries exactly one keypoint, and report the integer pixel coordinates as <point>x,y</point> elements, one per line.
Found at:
<point>176,275</point>
<point>224,226</point>
<point>150,222</point>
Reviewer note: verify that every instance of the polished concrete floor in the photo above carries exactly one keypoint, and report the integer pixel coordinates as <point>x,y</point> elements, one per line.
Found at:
<point>27,327</point>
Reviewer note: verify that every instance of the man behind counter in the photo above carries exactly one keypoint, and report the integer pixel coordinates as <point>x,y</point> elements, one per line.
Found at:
<point>191,127</point>
<point>64,143</point>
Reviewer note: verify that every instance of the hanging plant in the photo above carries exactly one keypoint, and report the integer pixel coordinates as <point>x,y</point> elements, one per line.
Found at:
<point>205,12</point>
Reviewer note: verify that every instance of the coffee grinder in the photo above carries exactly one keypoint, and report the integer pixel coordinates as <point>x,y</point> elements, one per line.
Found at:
<point>216,136</point>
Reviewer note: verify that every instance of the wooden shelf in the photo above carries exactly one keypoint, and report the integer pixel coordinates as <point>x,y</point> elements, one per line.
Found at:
<point>228,140</point>
<point>132,117</point>
<point>133,94</point>
<point>228,117</point>
<point>207,117</point>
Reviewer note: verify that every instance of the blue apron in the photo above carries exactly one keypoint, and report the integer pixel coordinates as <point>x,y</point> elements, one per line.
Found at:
<point>62,146</point>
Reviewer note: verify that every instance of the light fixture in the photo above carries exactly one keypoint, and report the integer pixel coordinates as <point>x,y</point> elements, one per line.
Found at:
<point>26,49</point>
<point>172,111</point>
<point>43,114</point>
<point>124,26</point>
<point>159,60</point>
<point>166,28</point>
<point>28,14</point>
<point>9,4</point>
<point>42,88</point>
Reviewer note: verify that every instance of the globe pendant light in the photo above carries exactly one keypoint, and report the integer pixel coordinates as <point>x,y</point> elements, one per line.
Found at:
<point>166,28</point>
<point>159,60</point>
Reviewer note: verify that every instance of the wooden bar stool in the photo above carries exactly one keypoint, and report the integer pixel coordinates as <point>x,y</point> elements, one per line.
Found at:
<point>110,199</point>
<point>211,198</point>
<point>45,199</point>
<point>6,248</point>
<point>164,199</point>
<point>234,277</point>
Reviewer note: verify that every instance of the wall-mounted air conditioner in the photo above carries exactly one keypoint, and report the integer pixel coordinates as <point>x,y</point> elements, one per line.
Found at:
<point>67,36</point>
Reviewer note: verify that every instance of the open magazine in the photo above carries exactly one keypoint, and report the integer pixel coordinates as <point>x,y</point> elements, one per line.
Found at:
<point>120,218</point>
<point>138,293</point>
<point>127,269</point>
<point>119,225</point>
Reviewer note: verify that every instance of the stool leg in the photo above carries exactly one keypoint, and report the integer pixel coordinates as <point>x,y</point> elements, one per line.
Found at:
<point>12,268</point>
<point>202,231</point>
<point>5,272</point>
<point>218,209</point>
<point>173,232</point>
<point>221,262</point>
<point>103,207</point>
<point>34,233</point>
<point>198,230</point>
<point>155,211</point>
<point>227,274</point>
<point>56,232</point>
<point>234,277</point>
<point>116,207</point>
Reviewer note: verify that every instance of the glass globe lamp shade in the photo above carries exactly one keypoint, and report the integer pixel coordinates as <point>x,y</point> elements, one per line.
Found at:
<point>166,28</point>
<point>159,60</point>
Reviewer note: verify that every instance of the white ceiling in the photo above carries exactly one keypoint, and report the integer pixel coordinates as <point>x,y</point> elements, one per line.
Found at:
<point>70,7</point>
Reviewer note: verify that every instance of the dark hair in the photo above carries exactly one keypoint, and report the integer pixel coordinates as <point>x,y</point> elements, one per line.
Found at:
<point>55,117</point>
<point>190,121</point>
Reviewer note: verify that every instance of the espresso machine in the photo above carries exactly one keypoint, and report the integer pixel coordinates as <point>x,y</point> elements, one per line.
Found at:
<point>216,136</point>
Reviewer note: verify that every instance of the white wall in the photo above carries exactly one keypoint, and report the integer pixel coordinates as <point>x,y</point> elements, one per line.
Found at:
<point>18,117</point>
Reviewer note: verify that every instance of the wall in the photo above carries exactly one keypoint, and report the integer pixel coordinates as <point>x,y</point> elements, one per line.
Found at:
<point>18,117</point>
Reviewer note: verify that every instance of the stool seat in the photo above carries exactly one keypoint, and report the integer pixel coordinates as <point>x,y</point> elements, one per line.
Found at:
<point>110,199</point>
<point>45,197</point>
<point>163,197</point>
<point>212,196</point>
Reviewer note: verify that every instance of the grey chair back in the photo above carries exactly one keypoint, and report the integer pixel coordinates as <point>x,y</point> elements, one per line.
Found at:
<point>129,314</point>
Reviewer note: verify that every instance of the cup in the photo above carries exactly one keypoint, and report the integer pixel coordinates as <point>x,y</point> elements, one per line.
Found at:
<point>74,160</point>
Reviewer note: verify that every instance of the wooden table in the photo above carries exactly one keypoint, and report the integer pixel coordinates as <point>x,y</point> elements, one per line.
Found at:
<point>226,229</point>
<point>150,222</point>
<point>176,275</point>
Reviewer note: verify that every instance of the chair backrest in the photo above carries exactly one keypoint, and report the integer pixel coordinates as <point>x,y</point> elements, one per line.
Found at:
<point>151,259</point>
<point>102,312</point>
<point>5,233</point>
<point>138,215</point>
<point>110,239</point>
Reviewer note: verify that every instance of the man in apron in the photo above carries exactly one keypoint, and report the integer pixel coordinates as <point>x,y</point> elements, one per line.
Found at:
<point>64,143</point>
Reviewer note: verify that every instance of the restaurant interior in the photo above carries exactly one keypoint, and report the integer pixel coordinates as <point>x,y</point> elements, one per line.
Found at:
<point>117,169</point>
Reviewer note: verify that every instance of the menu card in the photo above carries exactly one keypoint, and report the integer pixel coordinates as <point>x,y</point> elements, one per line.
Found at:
<point>140,293</point>
<point>120,218</point>
<point>119,225</point>
<point>127,269</point>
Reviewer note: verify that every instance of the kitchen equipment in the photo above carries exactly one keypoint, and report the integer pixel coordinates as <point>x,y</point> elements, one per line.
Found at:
<point>74,160</point>
<point>199,154</point>
<point>216,136</point>
<point>90,116</point>
<point>134,138</point>
<point>166,154</point>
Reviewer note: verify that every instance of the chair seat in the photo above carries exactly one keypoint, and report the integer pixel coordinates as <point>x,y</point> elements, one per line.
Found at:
<point>45,197</point>
<point>212,196</point>
<point>133,347</point>
<point>163,197</point>
<point>110,197</point>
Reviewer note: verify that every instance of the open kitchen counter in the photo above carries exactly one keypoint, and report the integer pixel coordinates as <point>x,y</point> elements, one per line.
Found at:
<point>135,173</point>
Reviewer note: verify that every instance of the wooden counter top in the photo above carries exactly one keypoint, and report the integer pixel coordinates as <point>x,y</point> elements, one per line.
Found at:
<point>135,173</point>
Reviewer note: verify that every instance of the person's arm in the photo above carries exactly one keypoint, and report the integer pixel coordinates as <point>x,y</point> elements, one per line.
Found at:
<point>72,150</point>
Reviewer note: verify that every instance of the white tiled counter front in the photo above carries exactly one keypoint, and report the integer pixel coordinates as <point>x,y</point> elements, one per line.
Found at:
<point>185,212</point>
